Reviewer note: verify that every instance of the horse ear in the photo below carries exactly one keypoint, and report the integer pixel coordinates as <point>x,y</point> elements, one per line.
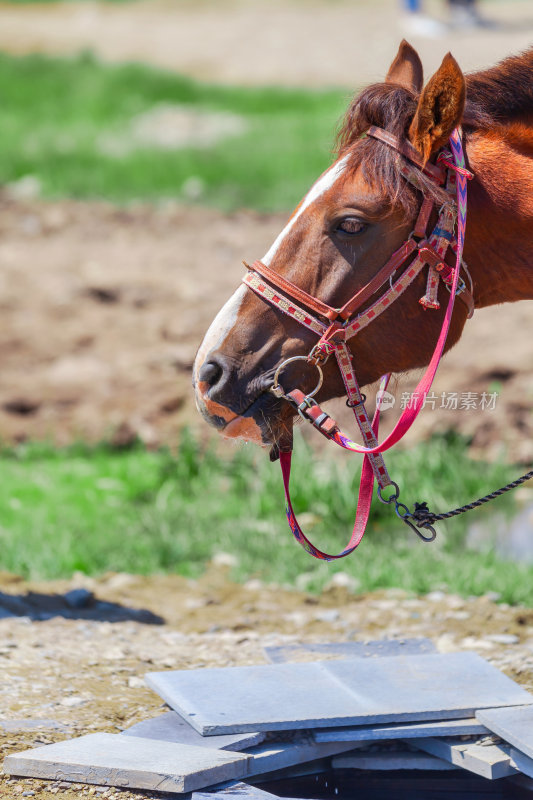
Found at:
<point>440,108</point>
<point>406,69</point>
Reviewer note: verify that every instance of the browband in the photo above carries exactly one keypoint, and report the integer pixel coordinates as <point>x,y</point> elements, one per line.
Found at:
<point>408,151</point>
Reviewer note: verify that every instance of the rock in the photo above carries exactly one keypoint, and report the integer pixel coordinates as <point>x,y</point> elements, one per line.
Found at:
<point>72,701</point>
<point>134,682</point>
<point>328,615</point>
<point>253,585</point>
<point>436,596</point>
<point>341,580</point>
<point>78,598</point>
<point>503,638</point>
<point>26,188</point>
<point>224,560</point>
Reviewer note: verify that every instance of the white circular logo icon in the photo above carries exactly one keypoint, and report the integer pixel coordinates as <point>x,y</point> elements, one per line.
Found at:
<point>385,400</point>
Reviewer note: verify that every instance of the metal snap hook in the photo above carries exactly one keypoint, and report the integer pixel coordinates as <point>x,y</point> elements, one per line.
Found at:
<point>432,532</point>
<point>394,496</point>
<point>279,391</point>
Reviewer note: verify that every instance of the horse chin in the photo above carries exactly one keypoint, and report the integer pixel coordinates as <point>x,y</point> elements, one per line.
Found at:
<point>245,428</point>
<point>261,423</point>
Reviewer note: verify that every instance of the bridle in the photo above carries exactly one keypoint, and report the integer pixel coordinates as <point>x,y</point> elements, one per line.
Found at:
<point>336,326</point>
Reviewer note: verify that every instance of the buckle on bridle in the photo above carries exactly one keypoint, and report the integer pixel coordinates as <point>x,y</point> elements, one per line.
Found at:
<point>306,403</point>
<point>461,287</point>
<point>319,354</point>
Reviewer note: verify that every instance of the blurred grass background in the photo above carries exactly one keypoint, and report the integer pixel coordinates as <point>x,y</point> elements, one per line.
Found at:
<point>98,508</point>
<point>70,124</point>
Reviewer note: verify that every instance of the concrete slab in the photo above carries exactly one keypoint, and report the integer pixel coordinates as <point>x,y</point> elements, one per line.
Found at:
<point>299,771</point>
<point>170,727</point>
<point>274,756</point>
<point>284,653</point>
<point>235,700</point>
<point>372,733</point>
<point>522,762</point>
<point>109,759</point>
<point>433,686</point>
<point>515,725</point>
<point>490,761</point>
<point>358,691</point>
<point>234,791</point>
<point>394,760</point>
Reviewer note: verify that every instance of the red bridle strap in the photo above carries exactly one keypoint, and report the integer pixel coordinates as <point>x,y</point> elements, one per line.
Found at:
<point>294,291</point>
<point>408,151</point>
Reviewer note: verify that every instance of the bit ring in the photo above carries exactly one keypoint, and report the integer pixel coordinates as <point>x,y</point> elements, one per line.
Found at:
<point>280,392</point>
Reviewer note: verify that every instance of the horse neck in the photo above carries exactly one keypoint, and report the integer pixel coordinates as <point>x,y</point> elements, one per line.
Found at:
<point>499,230</point>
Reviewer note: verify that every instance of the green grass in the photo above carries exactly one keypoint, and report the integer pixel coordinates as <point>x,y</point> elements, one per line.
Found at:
<point>97,509</point>
<point>55,113</point>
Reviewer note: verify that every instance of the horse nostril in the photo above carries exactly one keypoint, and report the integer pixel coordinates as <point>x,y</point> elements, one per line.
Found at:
<point>210,372</point>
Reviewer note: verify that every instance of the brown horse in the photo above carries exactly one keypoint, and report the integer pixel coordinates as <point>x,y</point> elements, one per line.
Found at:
<point>357,214</point>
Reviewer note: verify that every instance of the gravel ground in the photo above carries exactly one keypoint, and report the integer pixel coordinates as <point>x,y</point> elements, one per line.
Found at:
<point>73,676</point>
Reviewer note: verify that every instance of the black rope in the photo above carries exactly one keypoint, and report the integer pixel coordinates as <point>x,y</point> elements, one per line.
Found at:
<point>422,516</point>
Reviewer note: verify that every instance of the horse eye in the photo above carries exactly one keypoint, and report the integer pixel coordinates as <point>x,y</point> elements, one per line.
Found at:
<point>351,226</point>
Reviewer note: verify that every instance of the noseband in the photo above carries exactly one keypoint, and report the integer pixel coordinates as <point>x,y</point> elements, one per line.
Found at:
<point>335,326</point>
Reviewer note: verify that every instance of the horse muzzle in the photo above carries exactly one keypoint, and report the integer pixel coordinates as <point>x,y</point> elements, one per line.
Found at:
<point>236,407</point>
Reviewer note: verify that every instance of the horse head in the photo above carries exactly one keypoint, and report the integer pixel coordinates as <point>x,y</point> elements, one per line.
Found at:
<point>356,215</point>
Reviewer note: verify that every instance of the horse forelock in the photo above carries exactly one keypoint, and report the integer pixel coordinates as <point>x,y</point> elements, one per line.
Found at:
<point>392,108</point>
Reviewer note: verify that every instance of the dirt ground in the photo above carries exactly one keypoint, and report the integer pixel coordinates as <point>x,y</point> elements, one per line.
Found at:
<point>103,310</point>
<point>78,675</point>
<point>287,42</point>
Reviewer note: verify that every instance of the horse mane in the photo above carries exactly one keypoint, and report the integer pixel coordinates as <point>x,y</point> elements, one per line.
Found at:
<point>496,96</point>
<point>502,94</point>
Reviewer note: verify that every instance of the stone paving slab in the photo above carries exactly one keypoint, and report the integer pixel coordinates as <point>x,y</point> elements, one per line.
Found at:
<point>234,791</point>
<point>109,759</point>
<point>391,761</point>
<point>274,756</point>
<point>522,762</point>
<point>490,761</point>
<point>324,694</point>
<point>372,733</point>
<point>434,686</point>
<point>281,654</point>
<point>170,727</point>
<point>241,699</point>
<point>515,725</point>
<point>299,771</point>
